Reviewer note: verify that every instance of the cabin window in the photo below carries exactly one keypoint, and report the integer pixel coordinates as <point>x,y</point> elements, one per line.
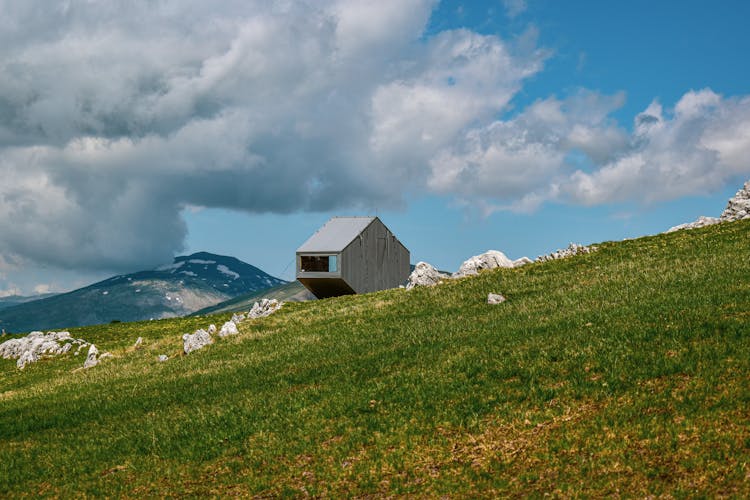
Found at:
<point>318,264</point>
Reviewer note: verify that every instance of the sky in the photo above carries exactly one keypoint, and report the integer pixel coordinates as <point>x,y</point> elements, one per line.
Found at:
<point>134,131</point>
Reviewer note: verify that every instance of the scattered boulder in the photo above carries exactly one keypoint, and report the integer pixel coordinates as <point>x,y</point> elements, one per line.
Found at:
<point>495,298</point>
<point>33,346</point>
<point>738,207</point>
<point>138,342</point>
<point>91,359</point>
<point>163,358</point>
<point>198,340</point>
<point>228,328</point>
<point>211,328</point>
<point>424,275</point>
<point>239,318</point>
<point>702,221</point>
<point>488,260</point>
<point>522,262</point>
<point>264,308</point>
<point>572,250</point>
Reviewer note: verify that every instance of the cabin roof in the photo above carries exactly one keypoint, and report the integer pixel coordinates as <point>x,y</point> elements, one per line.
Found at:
<point>336,234</point>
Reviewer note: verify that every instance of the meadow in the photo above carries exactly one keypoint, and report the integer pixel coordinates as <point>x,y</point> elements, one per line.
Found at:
<point>623,372</point>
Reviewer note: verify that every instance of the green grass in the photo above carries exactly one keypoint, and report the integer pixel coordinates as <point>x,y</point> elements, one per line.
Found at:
<point>624,372</point>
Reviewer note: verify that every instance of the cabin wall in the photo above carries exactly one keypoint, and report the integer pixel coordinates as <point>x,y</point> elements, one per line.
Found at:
<point>375,260</point>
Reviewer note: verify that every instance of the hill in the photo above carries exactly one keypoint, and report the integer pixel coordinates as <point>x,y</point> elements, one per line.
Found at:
<point>619,373</point>
<point>288,292</point>
<point>14,300</point>
<point>189,283</point>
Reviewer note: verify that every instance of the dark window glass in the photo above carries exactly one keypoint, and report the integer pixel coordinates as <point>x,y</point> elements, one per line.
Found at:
<point>314,263</point>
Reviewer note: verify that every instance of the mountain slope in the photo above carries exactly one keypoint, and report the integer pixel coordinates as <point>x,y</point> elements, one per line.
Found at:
<point>619,373</point>
<point>188,284</point>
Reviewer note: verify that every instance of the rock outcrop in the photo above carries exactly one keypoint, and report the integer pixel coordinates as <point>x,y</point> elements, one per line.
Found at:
<point>522,262</point>
<point>198,340</point>
<point>488,260</point>
<point>264,308</point>
<point>228,328</point>
<point>35,345</point>
<point>702,221</point>
<point>424,275</point>
<point>573,249</point>
<point>738,207</point>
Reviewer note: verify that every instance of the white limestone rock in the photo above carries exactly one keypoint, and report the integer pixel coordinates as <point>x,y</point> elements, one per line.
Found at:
<point>522,262</point>
<point>424,275</point>
<point>238,318</point>
<point>26,358</point>
<point>198,340</point>
<point>228,328</point>
<point>91,358</point>
<point>488,260</point>
<point>163,358</point>
<point>572,250</point>
<point>701,221</point>
<point>264,308</point>
<point>33,346</point>
<point>495,298</point>
<point>211,328</point>
<point>738,207</point>
<point>138,342</point>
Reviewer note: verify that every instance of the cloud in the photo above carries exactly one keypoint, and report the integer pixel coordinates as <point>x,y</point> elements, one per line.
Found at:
<point>697,147</point>
<point>514,8</point>
<point>115,118</point>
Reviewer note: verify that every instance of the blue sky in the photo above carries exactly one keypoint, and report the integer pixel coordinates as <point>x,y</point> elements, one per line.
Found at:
<point>131,135</point>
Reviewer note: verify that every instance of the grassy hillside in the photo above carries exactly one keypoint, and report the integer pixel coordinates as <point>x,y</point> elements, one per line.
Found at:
<point>288,292</point>
<point>625,372</point>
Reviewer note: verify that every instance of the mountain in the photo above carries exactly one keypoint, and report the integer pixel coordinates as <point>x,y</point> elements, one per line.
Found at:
<point>14,300</point>
<point>186,285</point>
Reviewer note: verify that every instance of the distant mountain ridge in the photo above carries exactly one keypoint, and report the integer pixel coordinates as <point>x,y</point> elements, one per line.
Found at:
<point>14,300</point>
<point>186,285</point>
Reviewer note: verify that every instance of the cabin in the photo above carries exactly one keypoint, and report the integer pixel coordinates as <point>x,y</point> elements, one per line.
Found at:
<point>350,255</point>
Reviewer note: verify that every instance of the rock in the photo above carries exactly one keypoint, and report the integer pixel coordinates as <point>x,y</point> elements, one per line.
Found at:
<point>424,275</point>
<point>701,221</point>
<point>522,262</point>
<point>495,298</point>
<point>738,207</point>
<point>264,308</point>
<point>211,328</point>
<point>198,340</point>
<point>228,328</point>
<point>163,358</point>
<point>33,346</point>
<point>26,358</point>
<point>138,342</point>
<point>573,249</point>
<point>488,260</point>
<point>91,359</point>
<point>239,318</point>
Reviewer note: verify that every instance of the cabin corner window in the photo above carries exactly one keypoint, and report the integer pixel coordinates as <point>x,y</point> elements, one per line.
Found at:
<point>318,263</point>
